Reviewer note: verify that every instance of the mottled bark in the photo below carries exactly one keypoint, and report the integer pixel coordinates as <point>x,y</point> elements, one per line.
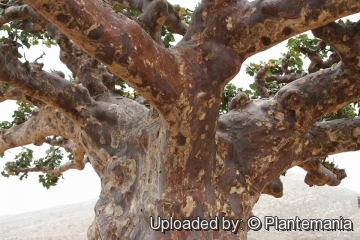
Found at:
<point>180,158</point>
<point>319,175</point>
<point>43,122</point>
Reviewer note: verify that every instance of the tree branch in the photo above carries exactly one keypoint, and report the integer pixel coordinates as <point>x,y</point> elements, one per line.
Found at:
<point>260,82</point>
<point>325,91</point>
<point>56,172</point>
<point>11,93</point>
<point>47,87</point>
<point>17,13</point>
<point>316,61</point>
<point>154,15</point>
<point>309,98</point>
<point>70,146</point>
<point>71,55</point>
<point>342,38</point>
<point>37,128</point>
<point>252,27</point>
<point>332,137</point>
<point>275,21</point>
<point>119,43</point>
<point>79,63</point>
<point>319,175</point>
<point>288,78</point>
<point>275,188</point>
<point>67,144</point>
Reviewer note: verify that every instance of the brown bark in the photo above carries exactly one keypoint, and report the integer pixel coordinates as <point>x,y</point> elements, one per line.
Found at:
<point>181,159</point>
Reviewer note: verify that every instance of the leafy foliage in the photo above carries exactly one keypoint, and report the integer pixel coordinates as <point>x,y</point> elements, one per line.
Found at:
<point>48,181</point>
<point>348,111</point>
<point>298,48</point>
<point>24,38</point>
<point>22,160</point>
<point>303,42</point>
<point>23,112</point>
<point>230,91</point>
<point>25,160</point>
<point>185,14</point>
<point>20,115</point>
<point>346,22</point>
<point>167,37</point>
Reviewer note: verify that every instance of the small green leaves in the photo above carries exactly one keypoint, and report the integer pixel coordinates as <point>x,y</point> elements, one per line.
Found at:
<point>302,43</point>
<point>24,37</point>
<point>5,125</point>
<point>348,22</point>
<point>167,37</point>
<point>274,87</point>
<point>48,181</point>
<point>23,112</point>
<point>182,11</point>
<point>346,112</point>
<point>298,48</point>
<point>253,68</point>
<point>185,14</point>
<point>52,159</point>
<point>230,91</point>
<point>24,163</point>
<point>117,8</point>
<point>22,160</point>
<point>2,11</point>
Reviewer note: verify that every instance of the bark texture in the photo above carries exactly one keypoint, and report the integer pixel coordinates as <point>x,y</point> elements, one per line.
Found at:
<point>180,158</point>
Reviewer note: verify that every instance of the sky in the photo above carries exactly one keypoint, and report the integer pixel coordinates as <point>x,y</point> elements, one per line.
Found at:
<point>77,186</point>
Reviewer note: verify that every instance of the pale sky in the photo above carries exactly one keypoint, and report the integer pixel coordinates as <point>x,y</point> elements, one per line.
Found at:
<point>78,186</point>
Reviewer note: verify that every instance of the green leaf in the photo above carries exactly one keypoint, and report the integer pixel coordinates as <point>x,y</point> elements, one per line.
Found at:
<point>6,27</point>
<point>182,11</point>
<point>48,181</point>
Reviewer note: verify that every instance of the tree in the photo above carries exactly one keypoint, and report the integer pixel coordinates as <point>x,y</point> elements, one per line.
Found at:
<point>179,157</point>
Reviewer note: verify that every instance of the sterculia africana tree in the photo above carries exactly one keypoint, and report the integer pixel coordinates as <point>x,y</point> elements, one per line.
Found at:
<point>178,158</point>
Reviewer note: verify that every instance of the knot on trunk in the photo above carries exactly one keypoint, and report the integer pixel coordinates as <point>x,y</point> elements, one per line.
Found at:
<point>240,100</point>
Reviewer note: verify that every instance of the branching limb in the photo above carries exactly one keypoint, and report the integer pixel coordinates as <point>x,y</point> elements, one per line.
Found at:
<point>71,55</point>
<point>328,90</point>
<point>47,87</point>
<point>31,21</point>
<point>155,14</point>
<point>288,78</point>
<point>79,157</point>
<point>56,172</point>
<point>17,13</point>
<point>10,93</point>
<point>37,128</point>
<point>332,137</point>
<point>317,61</point>
<point>342,38</point>
<point>69,146</point>
<point>282,76</point>
<point>260,82</point>
<point>319,175</point>
<point>119,43</point>
<point>283,19</point>
<point>80,64</point>
<point>251,27</point>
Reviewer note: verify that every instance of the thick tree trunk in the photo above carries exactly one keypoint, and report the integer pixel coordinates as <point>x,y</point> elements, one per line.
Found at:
<point>175,171</point>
